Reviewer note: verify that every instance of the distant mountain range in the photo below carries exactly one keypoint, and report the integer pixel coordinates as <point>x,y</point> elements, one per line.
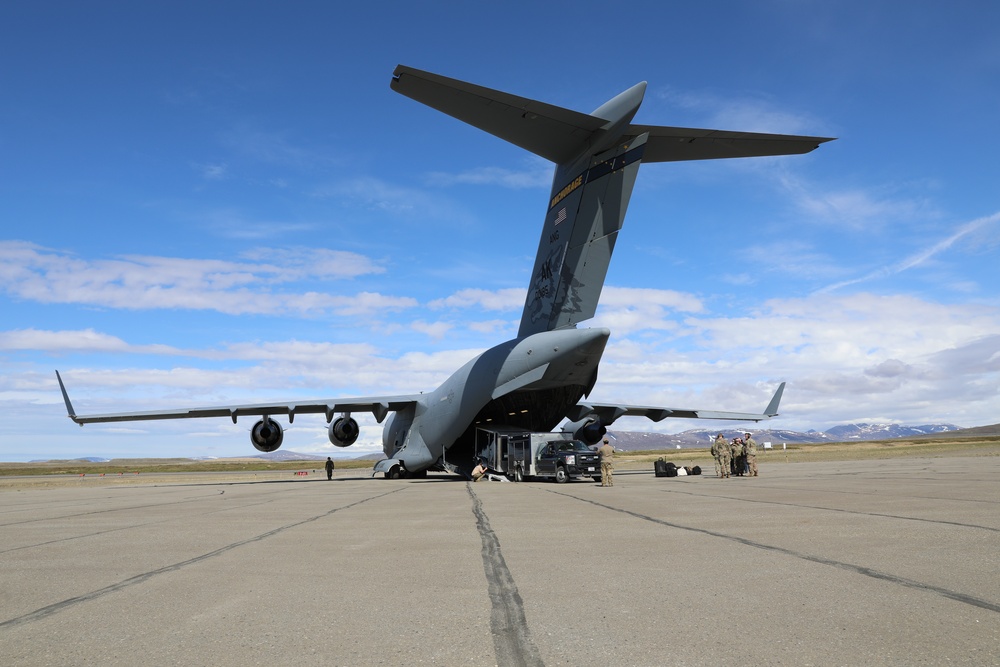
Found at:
<point>634,440</point>
<point>88,459</point>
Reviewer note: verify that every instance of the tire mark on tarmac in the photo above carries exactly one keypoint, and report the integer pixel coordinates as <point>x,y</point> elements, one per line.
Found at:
<point>57,607</point>
<point>512,641</point>
<point>836,509</point>
<point>849,567</point>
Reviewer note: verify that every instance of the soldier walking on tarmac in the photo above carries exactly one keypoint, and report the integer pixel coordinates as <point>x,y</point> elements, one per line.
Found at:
<point>329,468</point>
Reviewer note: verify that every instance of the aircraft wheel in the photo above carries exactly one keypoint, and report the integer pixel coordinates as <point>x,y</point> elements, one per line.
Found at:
<point>393,473</point>
<point>518,475</point>
<point>561,475</point>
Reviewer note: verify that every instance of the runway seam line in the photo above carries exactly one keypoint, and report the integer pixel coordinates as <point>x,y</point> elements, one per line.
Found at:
<point>512,641</point>
<point>57,607</point>
<point>113,509</point>
<point>857,569</point>
<point>132,527</point>
<point>836,509</point>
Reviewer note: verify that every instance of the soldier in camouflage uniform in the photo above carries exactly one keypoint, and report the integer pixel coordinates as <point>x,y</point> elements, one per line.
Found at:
<point>720,450</point>
<point>735,452</point>
<point>751,449</point>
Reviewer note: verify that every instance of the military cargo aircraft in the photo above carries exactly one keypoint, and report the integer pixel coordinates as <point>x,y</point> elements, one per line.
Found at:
<point>544,375</point>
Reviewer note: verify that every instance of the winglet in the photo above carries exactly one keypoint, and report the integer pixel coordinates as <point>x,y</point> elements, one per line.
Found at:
<point>69,406</point>
<point>772,408</point>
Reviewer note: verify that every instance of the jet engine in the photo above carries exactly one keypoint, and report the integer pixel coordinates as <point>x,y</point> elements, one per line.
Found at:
<point>266,435</point>
<point>589,429</point>
<point>343,431</point>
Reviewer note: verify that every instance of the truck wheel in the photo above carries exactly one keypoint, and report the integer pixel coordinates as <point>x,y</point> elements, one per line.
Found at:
<point>561,475</point>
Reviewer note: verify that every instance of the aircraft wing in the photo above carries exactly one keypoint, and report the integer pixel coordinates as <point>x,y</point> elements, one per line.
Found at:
<point>379,406</point>
<point>608,413</point>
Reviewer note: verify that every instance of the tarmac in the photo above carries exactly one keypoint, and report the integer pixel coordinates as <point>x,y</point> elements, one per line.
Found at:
<point>888,562</point>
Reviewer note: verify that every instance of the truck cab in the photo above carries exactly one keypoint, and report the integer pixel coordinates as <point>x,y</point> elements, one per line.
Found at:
<point>566,459</point>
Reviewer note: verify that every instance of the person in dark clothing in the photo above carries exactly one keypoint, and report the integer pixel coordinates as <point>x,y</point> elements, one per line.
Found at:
<point>329,468</point>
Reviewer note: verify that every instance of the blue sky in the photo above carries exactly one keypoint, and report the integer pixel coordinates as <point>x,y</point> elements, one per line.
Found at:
<point>217,203</point>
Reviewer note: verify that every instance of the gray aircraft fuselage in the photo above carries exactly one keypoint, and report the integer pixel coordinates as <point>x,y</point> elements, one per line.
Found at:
<point>529,382</point>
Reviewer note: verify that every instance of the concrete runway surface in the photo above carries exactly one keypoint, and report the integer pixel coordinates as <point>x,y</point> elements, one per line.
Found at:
<point>889,562</point>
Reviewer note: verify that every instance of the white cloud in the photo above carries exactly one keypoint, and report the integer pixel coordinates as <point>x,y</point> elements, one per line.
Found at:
<point>86,340</point>
<point>924,255</point>
<point>213,172</point>
<point>271,147</point>
<point>745,114</point>
<point>402,203</point>
<point>536,174</point>
<point>142,282</point>
<point>503,299</point>
<point>436,330</point>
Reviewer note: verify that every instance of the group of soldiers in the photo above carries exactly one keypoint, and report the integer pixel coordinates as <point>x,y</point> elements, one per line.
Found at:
<point>737,457</point>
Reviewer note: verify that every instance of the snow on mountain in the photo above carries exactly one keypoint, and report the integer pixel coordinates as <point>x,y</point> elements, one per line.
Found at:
<point>632,440</point>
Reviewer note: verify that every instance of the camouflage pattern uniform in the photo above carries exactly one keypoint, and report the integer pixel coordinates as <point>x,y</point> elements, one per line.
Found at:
<point>735,452</point>
<point>751,450</point>
<point>720,450</point>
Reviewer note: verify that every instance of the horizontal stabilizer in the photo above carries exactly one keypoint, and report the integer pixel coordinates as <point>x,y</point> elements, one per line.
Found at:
<point>560,134</point>
<point>552,132</point>
<point>672,144</point>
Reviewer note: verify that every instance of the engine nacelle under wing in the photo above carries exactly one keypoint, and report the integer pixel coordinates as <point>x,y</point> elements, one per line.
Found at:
<point>589,429</point>
<point>266,435</point>
<point>343,431</point>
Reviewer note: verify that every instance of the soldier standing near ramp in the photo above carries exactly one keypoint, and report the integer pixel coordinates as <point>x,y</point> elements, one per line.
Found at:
<point>607,453</point>
<point>750,447</point>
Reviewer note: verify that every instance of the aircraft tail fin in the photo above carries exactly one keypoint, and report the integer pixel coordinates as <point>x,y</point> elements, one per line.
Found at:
<point>597,157</point>
<point>579,235</point>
